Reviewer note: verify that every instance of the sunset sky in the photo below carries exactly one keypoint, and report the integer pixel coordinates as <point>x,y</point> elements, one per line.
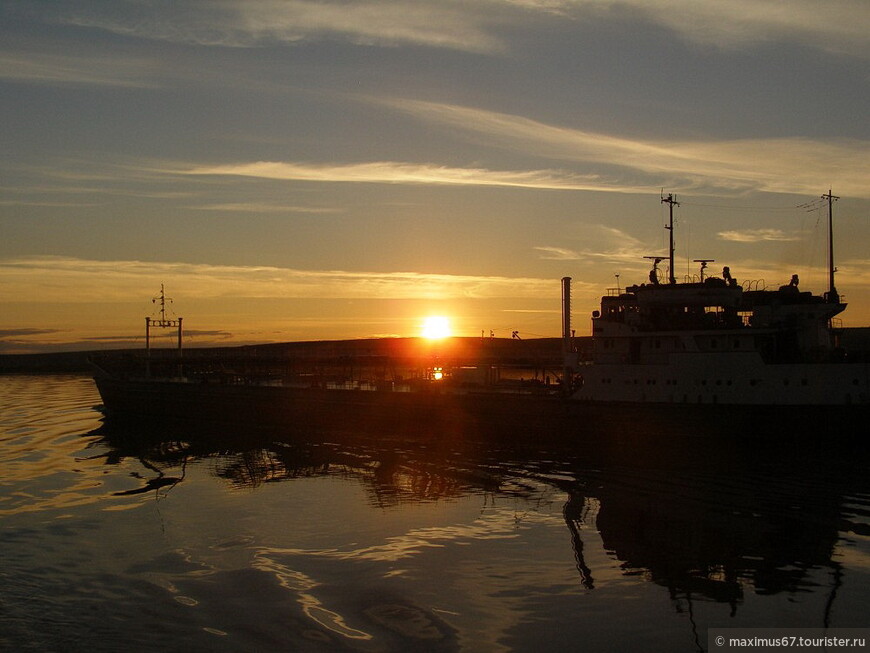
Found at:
<point>300,170</point>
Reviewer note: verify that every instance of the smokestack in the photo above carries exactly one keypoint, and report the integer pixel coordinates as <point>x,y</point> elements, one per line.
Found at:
<point>566,315</point>
<point>568,357</point>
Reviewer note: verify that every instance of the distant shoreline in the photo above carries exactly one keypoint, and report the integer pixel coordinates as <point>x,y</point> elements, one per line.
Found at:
<point>76,362</point>
<point>856,340</point>
<point>68,362</point>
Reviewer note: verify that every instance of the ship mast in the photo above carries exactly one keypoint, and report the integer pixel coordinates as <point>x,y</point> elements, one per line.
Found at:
<point>163,323</point>
<point>162,303</point>
<point>833,295</point>
<point>670,200</point>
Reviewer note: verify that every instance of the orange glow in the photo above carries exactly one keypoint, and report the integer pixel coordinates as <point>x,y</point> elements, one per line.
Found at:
<point>436,327</point>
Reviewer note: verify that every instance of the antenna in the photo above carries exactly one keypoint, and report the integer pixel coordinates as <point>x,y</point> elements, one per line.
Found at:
<point>162,298</point>
<point>703,262</point>
<point>833,295</point>
<point>163,323</point>
<point>671,201</point>
<point>654,273</point>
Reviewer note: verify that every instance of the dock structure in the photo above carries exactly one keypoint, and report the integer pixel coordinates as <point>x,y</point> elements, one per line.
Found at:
<point>469,362</point>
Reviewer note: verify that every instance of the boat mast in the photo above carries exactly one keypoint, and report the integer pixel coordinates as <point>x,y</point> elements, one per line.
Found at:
<point>162,303</point>
<point>670,200</point>
<point>833,295</point>
<point>162,322</point>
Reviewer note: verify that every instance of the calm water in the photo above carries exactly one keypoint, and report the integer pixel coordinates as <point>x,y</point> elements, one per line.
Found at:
<point>119,538</point>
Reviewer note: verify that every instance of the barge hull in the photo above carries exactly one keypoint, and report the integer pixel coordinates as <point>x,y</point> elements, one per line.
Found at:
<point>471,415</point>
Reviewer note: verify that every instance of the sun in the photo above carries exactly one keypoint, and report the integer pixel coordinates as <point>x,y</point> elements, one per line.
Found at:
<point>436,327</point>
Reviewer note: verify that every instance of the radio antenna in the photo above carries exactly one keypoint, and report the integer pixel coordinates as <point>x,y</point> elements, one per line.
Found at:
<point>833,295</point>
<point>671,201</point>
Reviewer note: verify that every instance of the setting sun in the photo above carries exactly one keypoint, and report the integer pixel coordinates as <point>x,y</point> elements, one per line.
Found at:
<point>436,327</point>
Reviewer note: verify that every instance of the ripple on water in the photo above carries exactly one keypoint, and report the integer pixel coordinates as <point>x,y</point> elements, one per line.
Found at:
<point>44,439</point>
<point>348,547</point>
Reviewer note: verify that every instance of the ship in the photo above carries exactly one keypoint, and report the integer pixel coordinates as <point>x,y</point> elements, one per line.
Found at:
<point>699,356</point>
<point>709,340</point>
<point>458,387</point>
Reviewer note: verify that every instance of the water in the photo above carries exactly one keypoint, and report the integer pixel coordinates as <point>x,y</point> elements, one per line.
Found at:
<point>123,538</point>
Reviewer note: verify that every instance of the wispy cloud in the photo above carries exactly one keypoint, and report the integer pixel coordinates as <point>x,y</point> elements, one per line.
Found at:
<point>60,279</point>
<point>480,26</point>
<point>612,246</point>
<point>557,254</point>
<point>616,245</point>
<point>780,165</point>
<point>246,23</point>
<point>392,172</point>
<point>45,203</point>
<point>20,333</point>
<point>259,207</point>
<point>836,26</point>
<point>756,235</point>
<point>47,68</point>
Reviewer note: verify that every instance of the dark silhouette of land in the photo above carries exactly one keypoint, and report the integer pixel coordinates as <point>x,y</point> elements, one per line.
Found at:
<point>540,353</point>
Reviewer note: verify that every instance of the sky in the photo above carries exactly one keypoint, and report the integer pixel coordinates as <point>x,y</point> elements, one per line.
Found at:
<point>303,170</point>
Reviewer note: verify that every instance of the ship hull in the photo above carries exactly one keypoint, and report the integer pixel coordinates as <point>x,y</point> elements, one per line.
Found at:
<point>489,416</point>
<point>305,409</point>
<point>731,379</point>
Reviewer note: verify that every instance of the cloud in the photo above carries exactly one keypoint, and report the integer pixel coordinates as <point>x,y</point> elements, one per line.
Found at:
<point>756,235</point>
<point>45,203</point>
<point>46,68</point>
<point>557,254</point>
<point>248,23</point>
<point>259,207</point>
<point>836,25</point>
<point>29,340</point>
<point>22,333</point>
<point>215,334</point>
<point>839,26</point>
<point>392,172</point>
<point>61,279</point>
<point>482,26</point>
<point>616,245</point>
<point>777,165</point>
<point>612,247</point>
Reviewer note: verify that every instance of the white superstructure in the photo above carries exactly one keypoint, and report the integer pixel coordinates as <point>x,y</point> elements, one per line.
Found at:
<point>713,342</point>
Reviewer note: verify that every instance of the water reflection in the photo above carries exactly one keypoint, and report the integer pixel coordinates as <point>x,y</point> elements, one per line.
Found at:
<point>243,540</point>
<point>705,520</point>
